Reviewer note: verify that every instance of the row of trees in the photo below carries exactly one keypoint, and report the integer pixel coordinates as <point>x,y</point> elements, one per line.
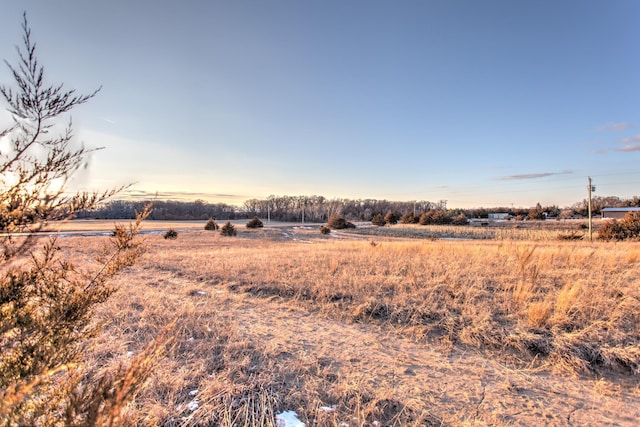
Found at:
<point>167,210</point>
<point>318,209</point>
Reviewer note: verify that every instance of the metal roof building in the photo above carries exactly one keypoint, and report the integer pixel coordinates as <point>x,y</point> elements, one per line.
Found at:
<point>618,213</point>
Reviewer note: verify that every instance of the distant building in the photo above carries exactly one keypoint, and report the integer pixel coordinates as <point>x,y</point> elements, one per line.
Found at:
<point>499,215</point>
<point>617,213</point>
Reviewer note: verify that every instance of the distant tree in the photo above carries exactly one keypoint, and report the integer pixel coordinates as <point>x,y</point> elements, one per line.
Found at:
<point>211,225</point>
<point>426,218</point>
<point>536,213</point>
<point>408,218</point>
<point>228,230</point>
<point>441,217</point>
<point>338,222</point>
<point>255,223</point>
<point>392,217</point>
<point>378,220</point>
<point>460,219</point>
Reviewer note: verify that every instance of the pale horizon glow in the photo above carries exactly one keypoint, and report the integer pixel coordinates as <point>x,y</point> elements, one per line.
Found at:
<point>482,104</point>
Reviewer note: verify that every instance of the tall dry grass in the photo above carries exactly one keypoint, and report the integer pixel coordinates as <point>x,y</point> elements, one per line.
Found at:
<point>572,306</point>
<point>536,231</point>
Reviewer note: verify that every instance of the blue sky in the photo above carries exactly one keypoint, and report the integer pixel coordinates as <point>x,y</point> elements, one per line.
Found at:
<point>480,103</point>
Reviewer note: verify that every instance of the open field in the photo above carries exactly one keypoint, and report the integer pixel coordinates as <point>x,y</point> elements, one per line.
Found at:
<point>352,331</point>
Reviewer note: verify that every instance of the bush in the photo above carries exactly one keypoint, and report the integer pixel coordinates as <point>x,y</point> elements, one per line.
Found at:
<point>435,216</point>
<point>46,304</point>
<point>460,219</point>
<point>392,217</point>
<point>338,222</point>
<point>171,234</point>
<point>211,225</point>
<point>378,220</point>
<point>255,223</point>
<point>409,218</point>
<point>228,230</point>
<point>627,228</point>
<point>426,218</point>
<point>324,229</point>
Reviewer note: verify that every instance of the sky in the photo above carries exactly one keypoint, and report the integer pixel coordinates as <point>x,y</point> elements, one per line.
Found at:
<point>479,103</point>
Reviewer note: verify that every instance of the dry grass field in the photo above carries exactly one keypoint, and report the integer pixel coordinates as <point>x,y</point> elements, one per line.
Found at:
<point>348,331</point>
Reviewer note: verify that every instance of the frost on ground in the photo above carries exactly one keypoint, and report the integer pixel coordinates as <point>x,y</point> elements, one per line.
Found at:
<point>289,419</point>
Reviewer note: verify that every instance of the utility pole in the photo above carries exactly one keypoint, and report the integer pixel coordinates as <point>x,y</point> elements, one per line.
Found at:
<point>590,189</point>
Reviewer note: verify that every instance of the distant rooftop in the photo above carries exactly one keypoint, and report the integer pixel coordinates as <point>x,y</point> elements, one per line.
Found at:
<point>627,209</point>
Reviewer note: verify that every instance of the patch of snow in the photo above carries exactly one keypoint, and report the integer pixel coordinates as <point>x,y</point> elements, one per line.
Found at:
<point>288,419</point>
<point>328,408</point>
<point>193,405</point>
<point>202,293</point>
<point>302,241</point>
<point>193,392</point>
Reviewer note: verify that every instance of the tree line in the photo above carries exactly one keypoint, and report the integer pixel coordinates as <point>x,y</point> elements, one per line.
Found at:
<point>318,209</point>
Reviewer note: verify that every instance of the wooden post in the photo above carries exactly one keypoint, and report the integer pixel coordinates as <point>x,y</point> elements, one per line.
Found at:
<point>589,188</point>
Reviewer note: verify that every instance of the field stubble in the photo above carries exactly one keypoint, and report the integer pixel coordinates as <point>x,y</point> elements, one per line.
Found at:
<point>394,332</point>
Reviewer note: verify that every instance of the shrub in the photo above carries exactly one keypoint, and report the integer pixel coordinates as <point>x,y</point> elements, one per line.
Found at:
<point>435,216</point>
<point>409,218</point>
<point>228,230</point>
<point>378,220</point>
<point>171,234</point>
<point>324,229</point>
<point>46,305</point>
<point>627,228</point>
<point>338,222</point>
<point>441,217</point>
<point>460,219</point>
<point>255,223</point>
<point>392,217</point>
<point>426,218</point>
<point>211,225</point>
